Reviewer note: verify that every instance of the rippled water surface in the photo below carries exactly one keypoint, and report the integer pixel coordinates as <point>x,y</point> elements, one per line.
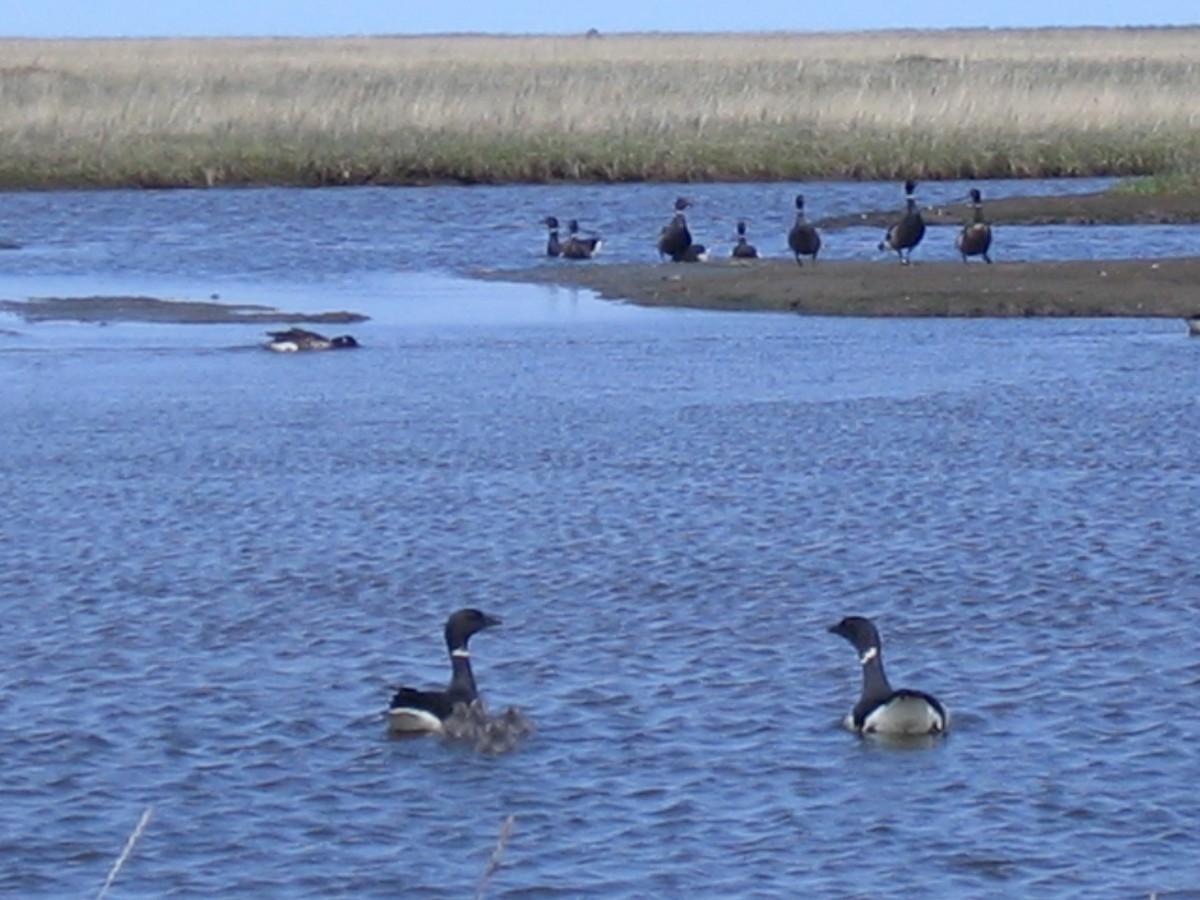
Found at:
<point>217,561</point>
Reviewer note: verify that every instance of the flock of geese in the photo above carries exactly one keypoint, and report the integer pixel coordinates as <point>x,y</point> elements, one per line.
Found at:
<point>675,239</point>
<point>457,712</point>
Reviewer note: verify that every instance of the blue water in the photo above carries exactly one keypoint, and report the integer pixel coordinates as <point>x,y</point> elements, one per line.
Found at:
<point>218,560</point>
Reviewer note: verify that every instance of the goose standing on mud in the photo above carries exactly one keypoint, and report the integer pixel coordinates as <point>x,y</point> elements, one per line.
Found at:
<point>743,249</point>
<point>880,709</point>
<point>675,240</point>
<point>976,236</point>
<point>905,234</point>
<point>578,247</point>
<point>295,340</point>
<point>553,247</point>
<point>803,239</point>
<point>425,712</point>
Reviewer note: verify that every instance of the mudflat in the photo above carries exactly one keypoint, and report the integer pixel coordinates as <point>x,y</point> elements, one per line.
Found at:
<point>1128,287</point>
<point>153,309</point>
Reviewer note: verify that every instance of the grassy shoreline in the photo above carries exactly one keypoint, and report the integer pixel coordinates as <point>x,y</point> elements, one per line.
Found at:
<point>611,108</point>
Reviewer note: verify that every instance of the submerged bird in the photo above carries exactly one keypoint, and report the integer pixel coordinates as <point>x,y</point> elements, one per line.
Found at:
<point>675,240</point>
<point>976,236</point>
<point>425,712</point>
<point>803,239</point>
<point>880,709</point>
<point>908,231</point>
<point>553,247</point>
<point>577,247</point>
<point>296,339</point>
<point>743,249</point>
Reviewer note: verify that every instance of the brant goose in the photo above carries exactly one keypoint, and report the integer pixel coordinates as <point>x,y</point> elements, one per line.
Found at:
<point>908,231</point>
<point>553,247</point>
<point>1193,324</point>
<point>296,339</point>
<point>976,236</point>
<point>424,712</point>
<point>803,239</point>
<point>743,249</point>
<point>881,710</point>
<point>576,247</point>
<point>675,240</point>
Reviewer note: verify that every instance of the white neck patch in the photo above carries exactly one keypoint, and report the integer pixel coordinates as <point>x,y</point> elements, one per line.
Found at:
<point>868,655</point>
<point>460,653</point>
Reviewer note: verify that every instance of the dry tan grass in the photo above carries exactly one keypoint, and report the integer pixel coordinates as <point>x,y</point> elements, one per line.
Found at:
<point>1058,101</point>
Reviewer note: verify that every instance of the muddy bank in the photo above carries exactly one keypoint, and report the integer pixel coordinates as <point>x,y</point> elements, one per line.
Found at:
<point>1130,287</point>
<point>151,309</point>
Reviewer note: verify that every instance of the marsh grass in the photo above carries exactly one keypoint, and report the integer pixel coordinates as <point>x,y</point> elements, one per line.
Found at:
<point>610,108</point>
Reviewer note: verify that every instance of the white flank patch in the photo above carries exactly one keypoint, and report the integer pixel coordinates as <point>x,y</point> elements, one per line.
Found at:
<point>283,346</point>
<point>904,715</point>
<point>405,720</point>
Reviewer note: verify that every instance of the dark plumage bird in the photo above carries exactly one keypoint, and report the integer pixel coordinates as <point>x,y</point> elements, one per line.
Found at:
<point>1193,324</point>
<point>803,239</point>
<point>553,247</point>
<point>578,247</point>
<point>976,236</point>
<point>743,249</point>
<point>905,234</point>
<point>295,340</point>
<point>418,712</point>
<point>675,240</point>
<point>880,709</point>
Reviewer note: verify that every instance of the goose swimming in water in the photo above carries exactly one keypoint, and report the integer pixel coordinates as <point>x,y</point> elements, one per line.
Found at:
<point>743,249</point>
<point>1193,324</point>
<point>675,240</point>
<point>976,236</point>
<point>553,247</point>
<point>906,233</point>
<point>578,247</point>
<point>295,340</point>
<point>880,709</point>
<point>425,712</point>
<point>803,239</point>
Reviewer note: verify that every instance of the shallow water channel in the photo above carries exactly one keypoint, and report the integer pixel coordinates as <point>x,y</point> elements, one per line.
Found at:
<point>218,560</point>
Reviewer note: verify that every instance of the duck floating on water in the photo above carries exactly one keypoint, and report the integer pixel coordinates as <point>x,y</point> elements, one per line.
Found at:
<point>295,340</point>
<point>907,232</point>
<point>880,709</point>
<point>975,239</point>
<point>425,712</point>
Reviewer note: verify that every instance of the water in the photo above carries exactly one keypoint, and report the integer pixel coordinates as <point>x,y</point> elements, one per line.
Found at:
<point>217,560</point>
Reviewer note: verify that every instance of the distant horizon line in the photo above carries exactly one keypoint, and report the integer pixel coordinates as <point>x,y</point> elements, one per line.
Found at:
<point>597,33</point>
